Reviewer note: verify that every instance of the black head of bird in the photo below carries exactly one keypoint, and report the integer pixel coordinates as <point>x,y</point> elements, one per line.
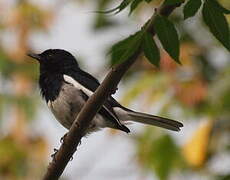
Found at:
<point>55,60</point>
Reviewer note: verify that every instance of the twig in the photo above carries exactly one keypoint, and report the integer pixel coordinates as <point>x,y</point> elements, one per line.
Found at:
<point>81,123</point>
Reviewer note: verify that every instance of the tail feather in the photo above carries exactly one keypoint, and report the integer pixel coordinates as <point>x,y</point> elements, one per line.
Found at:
<point>155,120</point>
<point>125,114</point>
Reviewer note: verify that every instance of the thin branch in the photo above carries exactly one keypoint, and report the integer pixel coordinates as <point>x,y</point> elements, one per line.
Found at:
<point>81,123</point>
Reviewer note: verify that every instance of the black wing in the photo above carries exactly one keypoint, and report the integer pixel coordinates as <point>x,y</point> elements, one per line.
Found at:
<point>91,83</point>
<point>109,115</point>
<point>84,78</point>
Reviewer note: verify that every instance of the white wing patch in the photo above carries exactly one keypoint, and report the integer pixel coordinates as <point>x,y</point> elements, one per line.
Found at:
<point>77,85</point>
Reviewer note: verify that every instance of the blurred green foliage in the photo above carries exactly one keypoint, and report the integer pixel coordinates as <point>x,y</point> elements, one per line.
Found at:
<point>13,158</point>
<point>160,155</point>
<point>8,66</point>
<point>23,154</point>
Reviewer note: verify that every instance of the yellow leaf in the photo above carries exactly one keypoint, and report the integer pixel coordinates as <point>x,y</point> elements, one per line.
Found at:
<point>195,150</point>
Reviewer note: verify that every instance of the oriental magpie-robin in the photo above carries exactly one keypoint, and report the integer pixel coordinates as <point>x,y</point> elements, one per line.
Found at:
<point>66,88</point>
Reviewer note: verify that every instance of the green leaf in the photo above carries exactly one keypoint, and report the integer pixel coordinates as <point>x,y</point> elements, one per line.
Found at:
<point>217,23</point>
<point>151,50</point>
<point>171,2</point>
<point>117,9</point>
<point>223,177</point>
<point>191,7</point>
<point>168,36</point>
<point>134,5</point>
<point>123,5</point>
<point>164,154</point>
<point>124,49</point>
<point>217,5</point>
<point>148,1</point>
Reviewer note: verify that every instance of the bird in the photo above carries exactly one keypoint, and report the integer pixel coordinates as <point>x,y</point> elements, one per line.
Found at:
<point>66,88</point>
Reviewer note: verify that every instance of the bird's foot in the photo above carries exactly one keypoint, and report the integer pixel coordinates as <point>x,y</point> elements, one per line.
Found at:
<point>71,158</point>
<point>54,154</point>
<point>62,140</point>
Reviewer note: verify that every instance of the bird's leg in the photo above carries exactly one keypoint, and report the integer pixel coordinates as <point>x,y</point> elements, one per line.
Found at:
<point>54,154</point>
<point>62,140</point>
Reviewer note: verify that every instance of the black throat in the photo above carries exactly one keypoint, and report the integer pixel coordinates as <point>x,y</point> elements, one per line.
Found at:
<point>50,85</point>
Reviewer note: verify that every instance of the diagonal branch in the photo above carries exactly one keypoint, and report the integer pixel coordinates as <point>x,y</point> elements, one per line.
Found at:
<point>81,123</point>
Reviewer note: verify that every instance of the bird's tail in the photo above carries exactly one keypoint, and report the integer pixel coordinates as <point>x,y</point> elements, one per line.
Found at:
<point>128,115</point>
<point>155,120</point>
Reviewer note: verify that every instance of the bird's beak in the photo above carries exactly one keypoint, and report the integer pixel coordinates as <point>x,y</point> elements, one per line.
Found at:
<point>35,56</point>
